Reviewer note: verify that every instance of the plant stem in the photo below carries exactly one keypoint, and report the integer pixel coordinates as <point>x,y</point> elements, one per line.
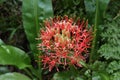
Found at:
<point>29,73</point>
<point>36,73</point>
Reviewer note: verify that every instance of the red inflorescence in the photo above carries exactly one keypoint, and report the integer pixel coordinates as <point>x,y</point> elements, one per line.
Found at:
<point>64,42</point>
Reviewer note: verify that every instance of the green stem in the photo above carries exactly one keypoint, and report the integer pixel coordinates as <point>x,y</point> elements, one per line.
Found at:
<point>36,73</point>
<point>40,76</point>
<point>29,73</point>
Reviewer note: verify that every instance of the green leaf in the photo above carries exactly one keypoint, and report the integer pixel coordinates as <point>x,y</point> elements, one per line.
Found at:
<point>83,64</point>
<point>90,10</point>
<point>95,10</point>
<point>104,76</point>
<point>100,76</point>
<point>13,76</point>
<point>115,76</point>
<point>1,42</point>
<point>111,37</point>
<point>10,55</point>
<point>34,12</point>
<point>101,6</point>
<point>99,66</point>
<point>113,66</point>
<point>67,75</point>
<point>62,76</point>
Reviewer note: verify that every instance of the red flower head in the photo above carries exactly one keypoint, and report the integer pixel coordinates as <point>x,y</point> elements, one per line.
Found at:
<point>64,42</point>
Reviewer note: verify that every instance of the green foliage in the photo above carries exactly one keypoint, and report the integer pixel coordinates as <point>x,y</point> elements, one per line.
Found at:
<point>73,8</point>
<point>1,1</point>
<point>10,14</point>
<point>113,7</point>
<point>110,48</point>
<point>104,63</point>
<point>11,24</point>
<point>97,9</point>
<point>34,12</point>
<point>10,55</point>
<point>90,10</point>
<point>72,74</point>
<point>100,76</point>
<point>95,13</point>
<point>99,66</point>
<point>1,42</point>
<point>115,76</point>
<point>113,67</point>
<point>98,71</point>
<point>111,36</point>
<point>13,76</point>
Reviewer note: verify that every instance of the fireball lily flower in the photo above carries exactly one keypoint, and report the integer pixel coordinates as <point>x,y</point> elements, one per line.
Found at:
<point>64,42</point>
